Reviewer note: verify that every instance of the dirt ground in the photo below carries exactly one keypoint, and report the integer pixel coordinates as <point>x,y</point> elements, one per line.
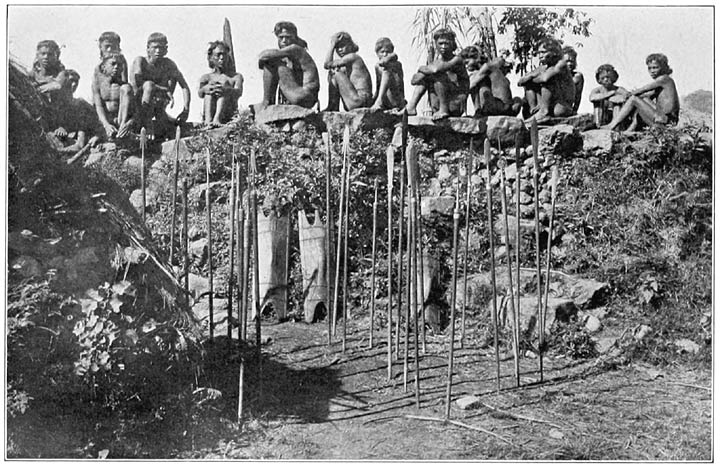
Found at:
<point>317,402</point>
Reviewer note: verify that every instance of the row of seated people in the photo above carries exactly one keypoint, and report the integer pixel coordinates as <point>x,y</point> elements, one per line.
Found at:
<point>125,101</point>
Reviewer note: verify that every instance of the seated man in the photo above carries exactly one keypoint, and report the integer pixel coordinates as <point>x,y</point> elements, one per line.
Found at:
<point>549,88</point>
<point>112,96</point>
<point>78,122</point>
<point>489,87</point>
<point>445,80</point>
<point>606,98</point>
<point>389,79</point>
<point>656,103</point>
<point>348,77</point>
<point>289,68</point>
<point>49,77</point>
<point>570,56</point>
<point>153,80</point>
<point>220,89</point>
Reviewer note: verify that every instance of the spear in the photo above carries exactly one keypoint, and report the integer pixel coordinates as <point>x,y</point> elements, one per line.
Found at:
<point>468,172</point>
<point>414,177</point>
<point>536,172</point>
<point>209,238</point>
<point>488,189</point>
<point>231,283</point>
<point>409,287</point>
<point>256,271</point>
<point>241,265</point>
<point>503,199</point>
<point>403,150</point>
<point>176,168</point>
<point>553,192</point>
<point>246,245</point>
<point>346,311</point>
<point>143,143</point>
<point>518,186</point>
<point>390,159</point>
<point>328,228</point>
<point>341,205</point>
<point>186,241</point>
<point>456,225</point>
<point>372,275</point>
<point>412,260</point>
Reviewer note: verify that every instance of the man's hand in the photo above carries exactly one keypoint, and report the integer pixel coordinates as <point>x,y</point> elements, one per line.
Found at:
<point>110,130</point>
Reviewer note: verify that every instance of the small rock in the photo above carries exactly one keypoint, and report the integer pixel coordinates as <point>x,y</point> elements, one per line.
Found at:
<point>687,346</point>
<point>434,187</point>
<point>444,172</point>
<point>641,332</point>
<point>469,402</point>
<point>133,163</point>
<point>605,344</point>
<point>198,249</point>
<point>593,324</point>
<point>198,285</point>
<point>598,141</point>
<point>440,204</point>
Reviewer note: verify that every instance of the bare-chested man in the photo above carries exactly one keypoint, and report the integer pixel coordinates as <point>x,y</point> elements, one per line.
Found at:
<point>656,103</point>
<point>153,79</point>
<point>348,77</point>
<point>570,57</point>
<point>220,89</point>
<point>50,79</point>
<point>113,96</point>
<point>549,88</point>
<point>489,85</point>
<point>445,80</point>
<point>607,99</point>
<point>389,79</point>
<point>289,68</point>
<point>78,123</point>
<point>109,42</point>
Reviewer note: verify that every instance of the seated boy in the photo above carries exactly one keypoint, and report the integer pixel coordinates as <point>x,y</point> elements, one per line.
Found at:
<point>220,89</point>
<point>445,80</point>
<point>112,96</point>
<point>656,103</point>
<point>348,77</point>
<point>606,98</point>
<point>78,121</point>
<point>549,88</point>
<point>489,87</point>
<point>390,89</point>
<point>570,56</point>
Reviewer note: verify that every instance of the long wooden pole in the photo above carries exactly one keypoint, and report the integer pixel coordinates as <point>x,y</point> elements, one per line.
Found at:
<point>247,246</point>
<point>453,303</point>
<point>518,189</point>
<point>466,241</point>
<point>408,288</point>
<point>390,161</point>
<point>346,310</point>
<point>231,281</point>
<point>328,230</point>
<point>536,173</point>
<point>176,169</point>
<point>488,190</point>
<point>418,269</point>
<point>186,240</point>
<point>373,262</point>
<point>553,194</point>
<point>341,206</point>
<point>401,218</point>
<point>208,207</point>
<point>143,144</point>
<point>255,264</point>
<point>241,266</point>
<point>503,199</point>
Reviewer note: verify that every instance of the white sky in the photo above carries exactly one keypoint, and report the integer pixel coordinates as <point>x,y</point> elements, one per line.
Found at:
<point>623,36</point>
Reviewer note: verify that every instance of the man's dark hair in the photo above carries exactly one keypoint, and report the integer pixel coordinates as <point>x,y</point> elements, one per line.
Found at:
<point>157,37</point>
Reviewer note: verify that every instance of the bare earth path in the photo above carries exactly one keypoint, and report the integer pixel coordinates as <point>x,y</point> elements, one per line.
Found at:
<point>318,403</point>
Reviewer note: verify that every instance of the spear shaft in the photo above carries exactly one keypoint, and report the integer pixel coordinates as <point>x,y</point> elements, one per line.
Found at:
<point>503,199</point>
<point>328,230</point>
<point>488,190</point>
<point>176,169</point>
<point>518,186</point>
<point>372,275</point>
<point>536,172</point>
<point>390,159</point>
<point>468,172</point>
<point>209,240</point>
<point>451,353</point>
<point>231,282</point>
<point>143,144</point>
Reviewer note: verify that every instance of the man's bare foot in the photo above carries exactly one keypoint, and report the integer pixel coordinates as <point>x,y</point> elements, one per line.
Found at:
<point>259,107</point>
<point>411,111</point>
<point>376,108</point>
<point>440,115</point>
<point>124,129</point>
<point>215,124</point>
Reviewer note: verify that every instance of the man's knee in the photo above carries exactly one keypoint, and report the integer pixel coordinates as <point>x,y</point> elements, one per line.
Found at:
<point>125,90</point>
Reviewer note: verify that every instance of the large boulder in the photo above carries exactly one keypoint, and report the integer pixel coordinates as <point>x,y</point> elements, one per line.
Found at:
<point>561,140</point>
<point>598,141</point>
<point>364,119</point>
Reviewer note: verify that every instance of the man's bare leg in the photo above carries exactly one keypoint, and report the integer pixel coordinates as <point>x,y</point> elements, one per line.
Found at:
<point>271,81</point>
<point>441,90</point>
<point>294,92</point>
<point>220,105</point>
<point>382,90</point>
<point>333,93</point>
<point>208,109</point>
<point>124,110</point>
<point>645,111</point>
<point>348,93</point>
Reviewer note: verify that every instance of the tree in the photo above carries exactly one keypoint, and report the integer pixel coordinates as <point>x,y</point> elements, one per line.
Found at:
<point>528,25</point>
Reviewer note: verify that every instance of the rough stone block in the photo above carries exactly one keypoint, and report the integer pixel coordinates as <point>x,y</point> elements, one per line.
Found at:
<point>598,141</point>
<point>282,113</point>
<point>559,140</point>
<point>440,204</point>
<point>360,119</point>
<point>468,402</point>
<point>463,125</point>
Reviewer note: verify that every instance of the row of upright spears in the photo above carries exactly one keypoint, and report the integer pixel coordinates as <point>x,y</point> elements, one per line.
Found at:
<point>247,240</point>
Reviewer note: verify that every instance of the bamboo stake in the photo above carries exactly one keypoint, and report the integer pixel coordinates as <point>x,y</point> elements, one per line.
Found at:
<point>241,385</point>
<point>503,199</point>
<point>414,269</point>
<point>341,206</point>
<point>409,287</point>
<point>414,177</point>
<point>231,282</point>
<point>256,271</point>
<point>456,225</point>
<point>176,169</point>
<point>372,275</point>
<point>468,169</point>
<point>241,266</point>
<point>518,187</point>
<point>328,229</point>
<point>186,240</point>
<point>247,230</point>
<point>418,217</point>
<point>143,144</point>
<point>553,193</point>
<point>390,160</point>
<point>209,238</point>
<point>488,189</point>
<point>536,172</point>
<point>346,311</point>
<point>401,218</point>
